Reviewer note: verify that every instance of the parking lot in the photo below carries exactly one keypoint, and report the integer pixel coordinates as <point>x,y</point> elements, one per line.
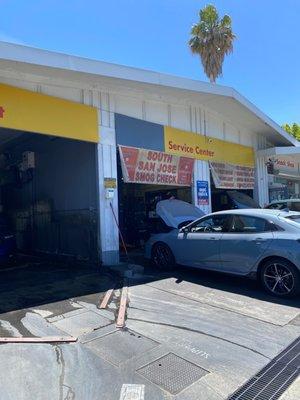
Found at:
<point>188,334</point>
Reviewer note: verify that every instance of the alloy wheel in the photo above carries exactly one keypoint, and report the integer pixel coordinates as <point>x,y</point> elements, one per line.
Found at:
<point>279,279</point>
<point>161,255</point>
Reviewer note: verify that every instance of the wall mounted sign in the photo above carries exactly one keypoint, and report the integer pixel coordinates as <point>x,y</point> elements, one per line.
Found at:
<point>287,165</point>
<point>228,176</point>
<point>188,144</point>
<point>155,167</point>
<point>202,193</point>
<point>110,183</point>
<point>29,111</point>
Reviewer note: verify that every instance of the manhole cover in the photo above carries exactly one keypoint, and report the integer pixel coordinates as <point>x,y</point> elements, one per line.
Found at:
<point>120,346</point>
<point>172,373</point>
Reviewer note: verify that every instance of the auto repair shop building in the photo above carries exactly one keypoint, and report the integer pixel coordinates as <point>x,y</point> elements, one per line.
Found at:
<point>84,143</point>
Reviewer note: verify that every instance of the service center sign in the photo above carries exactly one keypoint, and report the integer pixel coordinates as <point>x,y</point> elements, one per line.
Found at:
<point>193,145</point>
<point>155,167</point>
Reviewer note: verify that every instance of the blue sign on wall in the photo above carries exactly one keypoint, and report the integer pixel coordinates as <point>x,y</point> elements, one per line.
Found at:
<point>202,193</point>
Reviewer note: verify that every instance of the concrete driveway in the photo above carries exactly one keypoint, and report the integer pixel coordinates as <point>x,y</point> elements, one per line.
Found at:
<point>188,335</point>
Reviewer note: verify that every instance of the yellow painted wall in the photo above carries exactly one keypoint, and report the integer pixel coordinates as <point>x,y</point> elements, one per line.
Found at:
<point>184,143</point>
<point>35,112</point>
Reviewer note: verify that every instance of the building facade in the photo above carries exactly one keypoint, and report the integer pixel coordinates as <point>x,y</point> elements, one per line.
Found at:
<point>158,120</point>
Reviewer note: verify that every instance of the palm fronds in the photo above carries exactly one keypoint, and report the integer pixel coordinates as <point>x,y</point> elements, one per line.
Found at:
<point>212,38</point>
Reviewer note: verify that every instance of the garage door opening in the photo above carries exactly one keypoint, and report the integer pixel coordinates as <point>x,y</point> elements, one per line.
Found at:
<point>228,199</point>
<point>48,200</point>
<point>137,209</point>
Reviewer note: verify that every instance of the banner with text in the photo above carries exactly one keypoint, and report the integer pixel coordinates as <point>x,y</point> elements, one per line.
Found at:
<point>229,176</point>
<point>155,167</point>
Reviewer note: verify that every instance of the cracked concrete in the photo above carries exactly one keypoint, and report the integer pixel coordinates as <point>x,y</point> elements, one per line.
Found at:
<point>230,332</point>
<point>65,391</point>
<point>163,308</point>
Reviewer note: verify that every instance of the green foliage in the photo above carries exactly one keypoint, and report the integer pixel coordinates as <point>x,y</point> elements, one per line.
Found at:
<point>292,129</point>
<point>212,39</point>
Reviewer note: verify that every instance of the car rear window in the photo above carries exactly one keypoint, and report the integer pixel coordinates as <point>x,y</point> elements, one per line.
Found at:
<point>295,218</point>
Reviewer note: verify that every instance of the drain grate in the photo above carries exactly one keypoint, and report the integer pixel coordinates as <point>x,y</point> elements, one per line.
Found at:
<point>273,380</point>
<point>172,373</point>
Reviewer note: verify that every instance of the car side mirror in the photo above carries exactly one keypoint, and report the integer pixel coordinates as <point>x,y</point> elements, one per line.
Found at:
<point>184,229</point>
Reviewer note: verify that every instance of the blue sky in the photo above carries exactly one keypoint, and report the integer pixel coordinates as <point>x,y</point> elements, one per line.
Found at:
<point>153,34</point>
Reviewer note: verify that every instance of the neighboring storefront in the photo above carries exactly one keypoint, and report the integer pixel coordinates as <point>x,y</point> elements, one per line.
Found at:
<point>284,178</point>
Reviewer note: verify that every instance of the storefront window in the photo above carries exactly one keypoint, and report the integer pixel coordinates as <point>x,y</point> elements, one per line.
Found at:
<point>281,188</point>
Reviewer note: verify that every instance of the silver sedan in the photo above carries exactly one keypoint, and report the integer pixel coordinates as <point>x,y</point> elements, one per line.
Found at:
<point>263,244</point>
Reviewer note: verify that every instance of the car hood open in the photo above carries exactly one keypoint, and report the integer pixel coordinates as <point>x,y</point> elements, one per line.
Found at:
<point>175,212</point>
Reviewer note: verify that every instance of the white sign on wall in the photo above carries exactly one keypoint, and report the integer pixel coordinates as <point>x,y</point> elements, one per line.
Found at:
<point>286,165</point>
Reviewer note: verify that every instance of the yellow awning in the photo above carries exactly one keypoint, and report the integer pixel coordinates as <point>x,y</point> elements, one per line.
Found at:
<point>28,111</point>
<point>184,143</point>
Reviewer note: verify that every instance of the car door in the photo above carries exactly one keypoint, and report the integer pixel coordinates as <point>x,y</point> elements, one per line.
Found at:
<point>244,243</point>
<point>199,245</point>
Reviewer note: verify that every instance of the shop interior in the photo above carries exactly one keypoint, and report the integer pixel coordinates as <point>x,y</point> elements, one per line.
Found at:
<point>47,197</point>
<point>137,205</point>
<point>281,188</point>
<point>226,199</point>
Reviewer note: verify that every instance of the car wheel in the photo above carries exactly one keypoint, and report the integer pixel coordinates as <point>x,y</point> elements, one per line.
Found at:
<point>162,256</point>
<point>280,278</point>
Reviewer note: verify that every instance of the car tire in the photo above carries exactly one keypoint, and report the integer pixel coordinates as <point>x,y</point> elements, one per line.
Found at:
<point>162,257</point>
<point>280,278</point>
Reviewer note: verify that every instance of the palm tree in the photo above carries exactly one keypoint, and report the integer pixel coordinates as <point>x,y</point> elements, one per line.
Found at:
<point>212,39</point>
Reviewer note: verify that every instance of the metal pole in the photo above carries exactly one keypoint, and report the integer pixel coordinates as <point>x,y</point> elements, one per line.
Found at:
<point>120,233</point>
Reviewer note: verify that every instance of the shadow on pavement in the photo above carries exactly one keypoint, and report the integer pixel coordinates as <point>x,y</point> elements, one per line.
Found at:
<point>41,283</point>
<point>215,280</point>
<point>35,284</point>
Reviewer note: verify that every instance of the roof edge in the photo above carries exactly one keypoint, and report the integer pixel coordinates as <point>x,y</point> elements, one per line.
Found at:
<point>40,57</point>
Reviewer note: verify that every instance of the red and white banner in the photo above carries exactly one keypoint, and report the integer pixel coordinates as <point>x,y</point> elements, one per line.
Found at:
<point>229,176</point>
<point>155,167</point>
